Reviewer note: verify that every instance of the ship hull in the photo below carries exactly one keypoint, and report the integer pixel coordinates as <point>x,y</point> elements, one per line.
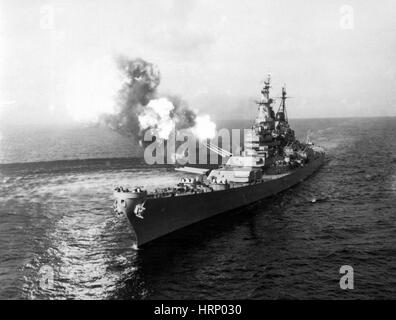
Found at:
<point>166,215</point>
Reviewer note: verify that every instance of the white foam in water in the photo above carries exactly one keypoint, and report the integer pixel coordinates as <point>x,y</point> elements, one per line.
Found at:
<point>60,215</point>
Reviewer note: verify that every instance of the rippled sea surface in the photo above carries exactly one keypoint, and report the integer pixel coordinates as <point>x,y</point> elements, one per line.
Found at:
<point>56,223</point>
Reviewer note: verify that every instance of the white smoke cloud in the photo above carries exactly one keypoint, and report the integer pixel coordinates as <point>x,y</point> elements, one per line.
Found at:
<point>122,93</point>
<point>157,116</point>
<point>204,127</point>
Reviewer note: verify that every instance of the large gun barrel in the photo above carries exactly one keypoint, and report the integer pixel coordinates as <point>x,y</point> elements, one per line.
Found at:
<point>193,170</point>
<point>212,147</point>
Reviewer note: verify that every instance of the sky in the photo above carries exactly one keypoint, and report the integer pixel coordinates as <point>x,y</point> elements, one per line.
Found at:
<point>337,58</point>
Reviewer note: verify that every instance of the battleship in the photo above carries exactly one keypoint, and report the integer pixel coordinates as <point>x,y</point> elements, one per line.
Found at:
<point>272,161</point>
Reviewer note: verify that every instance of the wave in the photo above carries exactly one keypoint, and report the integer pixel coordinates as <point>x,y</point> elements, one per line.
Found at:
<point>66,166</point>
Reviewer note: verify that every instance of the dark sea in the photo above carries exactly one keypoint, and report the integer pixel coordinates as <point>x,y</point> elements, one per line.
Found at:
<point>59,238</point>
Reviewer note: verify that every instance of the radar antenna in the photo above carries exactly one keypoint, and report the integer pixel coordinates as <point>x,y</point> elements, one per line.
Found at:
<point>265,92</point>
<point>267,86</point>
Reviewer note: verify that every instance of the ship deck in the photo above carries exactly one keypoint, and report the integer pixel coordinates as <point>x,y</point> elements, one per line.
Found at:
<point>206,188</point>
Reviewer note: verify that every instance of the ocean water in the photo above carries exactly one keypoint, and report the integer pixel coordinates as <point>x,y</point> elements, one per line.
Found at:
<point>57,224</point>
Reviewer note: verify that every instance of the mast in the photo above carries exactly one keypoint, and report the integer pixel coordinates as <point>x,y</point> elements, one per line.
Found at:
<point>265,112</point>
<point>265,90</point>
<point>282,112</point>
<point>284,97</point>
